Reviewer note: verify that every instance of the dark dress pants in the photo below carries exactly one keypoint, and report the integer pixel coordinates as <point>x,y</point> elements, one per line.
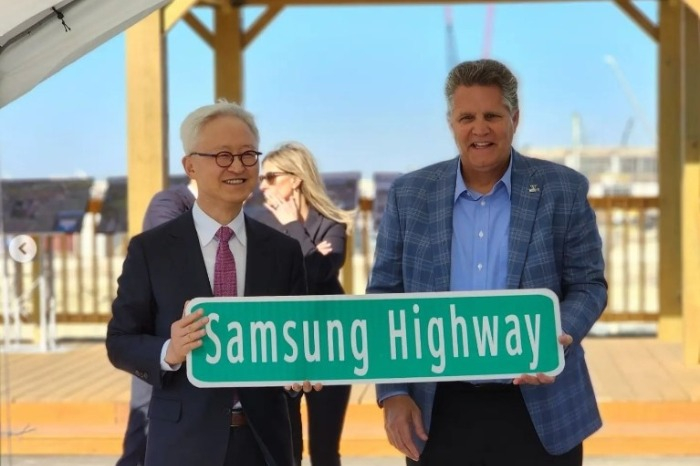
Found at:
<point>134,445</point>
<point>326,415</point>
<point>486,425</point>
<point>243,449</point>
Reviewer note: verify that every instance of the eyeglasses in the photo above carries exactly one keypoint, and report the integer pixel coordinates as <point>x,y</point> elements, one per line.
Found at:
<point>225,159</point>
<point>270,177</point>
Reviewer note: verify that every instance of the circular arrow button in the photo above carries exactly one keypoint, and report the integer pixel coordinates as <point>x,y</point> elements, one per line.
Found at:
<point>22,248</point>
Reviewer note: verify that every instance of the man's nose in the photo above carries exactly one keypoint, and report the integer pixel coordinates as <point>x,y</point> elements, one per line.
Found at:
<point>481,127</point>
<point>237,165</point>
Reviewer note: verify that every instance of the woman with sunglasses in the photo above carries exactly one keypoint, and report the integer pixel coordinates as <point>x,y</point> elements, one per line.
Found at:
<point>295,196</point>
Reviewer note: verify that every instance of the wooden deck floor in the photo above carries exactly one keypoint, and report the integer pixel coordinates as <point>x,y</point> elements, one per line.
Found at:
<point>73,401</point>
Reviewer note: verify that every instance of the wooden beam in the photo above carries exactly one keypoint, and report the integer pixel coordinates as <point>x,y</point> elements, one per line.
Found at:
<point>381,2</point>
<point>260,22</point>
<point>639,17</point>
<point>348,271</point>
<point>146,106</point>
<point>175,11</point>
<point>694,5</point>
<point>669,167</point>
<point>228,53</point>
<point>690,231</point>
<point>201,30</point>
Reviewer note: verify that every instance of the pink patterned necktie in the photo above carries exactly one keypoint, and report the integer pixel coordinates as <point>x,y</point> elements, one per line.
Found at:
<point>225,282</point>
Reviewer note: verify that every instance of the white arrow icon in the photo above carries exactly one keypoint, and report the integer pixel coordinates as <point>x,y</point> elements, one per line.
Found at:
<point>22,248</point>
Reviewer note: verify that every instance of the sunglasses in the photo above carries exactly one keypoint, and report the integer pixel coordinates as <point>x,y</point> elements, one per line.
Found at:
<point>270,177</point>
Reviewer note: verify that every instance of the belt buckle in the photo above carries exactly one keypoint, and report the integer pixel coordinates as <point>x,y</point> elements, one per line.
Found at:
<point>238,418</point>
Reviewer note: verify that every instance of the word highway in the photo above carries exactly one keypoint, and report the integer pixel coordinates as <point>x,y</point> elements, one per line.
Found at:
<point>489,335</point>
<point>399,334</point>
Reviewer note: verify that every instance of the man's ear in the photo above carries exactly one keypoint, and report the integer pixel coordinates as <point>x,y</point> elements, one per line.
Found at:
<point>516,119</point>
<point>187,165</point>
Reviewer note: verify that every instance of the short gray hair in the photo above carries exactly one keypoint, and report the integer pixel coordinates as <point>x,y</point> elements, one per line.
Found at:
<point>484,72</point>
<point>189,130</point>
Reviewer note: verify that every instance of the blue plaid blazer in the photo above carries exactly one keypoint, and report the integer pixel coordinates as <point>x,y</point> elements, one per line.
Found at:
<point>553,243</point>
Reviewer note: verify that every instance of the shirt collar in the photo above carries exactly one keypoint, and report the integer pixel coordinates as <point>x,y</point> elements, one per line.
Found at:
<point>207,227</point>
<point>460,187</point>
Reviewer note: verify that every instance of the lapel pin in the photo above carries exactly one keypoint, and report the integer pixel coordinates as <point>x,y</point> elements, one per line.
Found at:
<point>534,188</point>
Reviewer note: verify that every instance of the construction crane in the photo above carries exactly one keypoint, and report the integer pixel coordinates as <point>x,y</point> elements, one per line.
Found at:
<point>452,56</point>
<point>451,43</point>
<point>488,31</point>
<point>632,98</point>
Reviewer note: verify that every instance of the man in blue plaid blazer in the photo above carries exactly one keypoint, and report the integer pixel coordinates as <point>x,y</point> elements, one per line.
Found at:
<point>493,219</point>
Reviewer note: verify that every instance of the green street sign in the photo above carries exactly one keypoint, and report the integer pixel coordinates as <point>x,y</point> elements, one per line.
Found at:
<point>377,338</point>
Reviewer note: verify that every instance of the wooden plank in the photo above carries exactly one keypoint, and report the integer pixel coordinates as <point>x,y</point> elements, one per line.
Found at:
<point>623,369</point>
<point>636,366</point>
<point>175,11</point>
<point>669,377</point>
<point>640,18</point>
<point>607,376</point>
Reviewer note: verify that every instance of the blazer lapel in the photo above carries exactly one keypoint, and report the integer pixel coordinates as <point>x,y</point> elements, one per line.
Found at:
<point>258,259</point>
<point>188,262</point>
<point>440,207</point>
<point>313,223</point>
<point>526,190</point>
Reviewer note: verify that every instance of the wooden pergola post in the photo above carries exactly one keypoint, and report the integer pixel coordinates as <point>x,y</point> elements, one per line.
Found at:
<point>228,53</point>
<point>690,143</point>
<point>147,110</point>
<point>670,161</point>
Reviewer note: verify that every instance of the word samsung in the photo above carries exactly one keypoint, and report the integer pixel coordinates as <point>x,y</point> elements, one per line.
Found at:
<point>377,338</point>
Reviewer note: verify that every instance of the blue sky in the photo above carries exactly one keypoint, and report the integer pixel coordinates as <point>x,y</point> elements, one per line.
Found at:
<point>361,86</point>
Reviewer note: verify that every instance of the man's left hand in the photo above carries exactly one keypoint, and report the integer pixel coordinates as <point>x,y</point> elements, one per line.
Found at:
<point>540,378</point>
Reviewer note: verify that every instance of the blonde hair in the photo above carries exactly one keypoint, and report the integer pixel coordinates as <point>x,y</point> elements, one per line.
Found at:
<point>294,158</point>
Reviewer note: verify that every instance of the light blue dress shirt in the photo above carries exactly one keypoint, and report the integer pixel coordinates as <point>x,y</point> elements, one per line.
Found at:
<point>480,225</point>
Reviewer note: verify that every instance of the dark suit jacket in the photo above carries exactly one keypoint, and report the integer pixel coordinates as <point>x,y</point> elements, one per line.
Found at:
<point>164,268</point>
<point>168,204</point>
<point>321,271</point>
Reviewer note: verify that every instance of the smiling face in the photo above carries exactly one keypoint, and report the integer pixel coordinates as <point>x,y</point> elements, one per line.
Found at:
<point>483,129</point>
<point>222,191</point>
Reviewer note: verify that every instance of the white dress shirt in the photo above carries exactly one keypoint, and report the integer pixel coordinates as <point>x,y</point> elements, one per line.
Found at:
<point>206,228</point>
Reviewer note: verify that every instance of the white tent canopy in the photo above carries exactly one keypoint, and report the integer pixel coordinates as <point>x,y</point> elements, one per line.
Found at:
<point>35,44</point>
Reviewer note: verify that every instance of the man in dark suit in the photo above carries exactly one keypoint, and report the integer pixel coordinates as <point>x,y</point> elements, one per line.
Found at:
<point>493,219</point>
<point>164,206</point>
<point>184,259</point>
<point>169,203</point>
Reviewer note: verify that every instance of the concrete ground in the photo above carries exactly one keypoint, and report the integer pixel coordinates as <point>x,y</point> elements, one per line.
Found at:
<point>364,461</point>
